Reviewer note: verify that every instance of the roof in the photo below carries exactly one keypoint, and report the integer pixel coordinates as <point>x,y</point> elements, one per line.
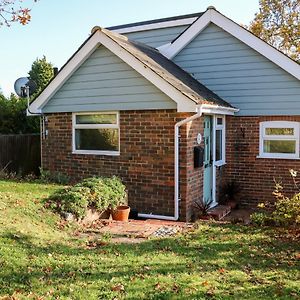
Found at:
<point>167,70</point>
<point>211,15</point>
<point>180,86</point>
<point>194,15</point>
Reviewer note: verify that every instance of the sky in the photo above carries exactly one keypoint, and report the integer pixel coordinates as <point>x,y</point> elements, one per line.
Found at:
<point>59,27</point>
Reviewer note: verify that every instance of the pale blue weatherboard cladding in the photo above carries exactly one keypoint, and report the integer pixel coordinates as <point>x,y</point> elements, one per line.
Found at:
<point>104,82</point>
<point>239,74</point>
<point>156,37</point>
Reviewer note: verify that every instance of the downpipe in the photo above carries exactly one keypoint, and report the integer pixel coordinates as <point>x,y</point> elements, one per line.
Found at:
<point>176,170</point>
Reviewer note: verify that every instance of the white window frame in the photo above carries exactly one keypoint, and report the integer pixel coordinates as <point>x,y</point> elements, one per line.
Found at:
<point>222,127</point>
<point>278,124</point>
<point>94,126</point>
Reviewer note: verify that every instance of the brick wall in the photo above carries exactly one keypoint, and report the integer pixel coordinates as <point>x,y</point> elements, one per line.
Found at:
<point>146,162</point>
<point>255,175</point>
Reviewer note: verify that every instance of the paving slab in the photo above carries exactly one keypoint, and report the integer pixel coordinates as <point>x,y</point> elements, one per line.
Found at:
<point>135,229</point>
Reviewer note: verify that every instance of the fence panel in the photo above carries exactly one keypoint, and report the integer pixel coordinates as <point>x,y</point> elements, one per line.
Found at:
<point>20,153</point>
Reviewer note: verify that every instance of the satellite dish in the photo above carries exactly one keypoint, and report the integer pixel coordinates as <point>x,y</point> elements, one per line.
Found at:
<point>24,84</point>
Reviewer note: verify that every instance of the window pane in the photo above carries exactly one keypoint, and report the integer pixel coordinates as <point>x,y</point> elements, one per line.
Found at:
<point>96,119</point>
<point>219,145</point>
<point>279,146</point>
<point>279,131</point>
<point>97,139</point>
<point>219,121</point>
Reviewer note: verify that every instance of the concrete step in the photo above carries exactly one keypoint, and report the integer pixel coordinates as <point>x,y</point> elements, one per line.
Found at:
<point>219,212</point>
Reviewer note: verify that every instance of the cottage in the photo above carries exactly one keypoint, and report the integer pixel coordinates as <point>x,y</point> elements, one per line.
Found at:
<point>175,107</point>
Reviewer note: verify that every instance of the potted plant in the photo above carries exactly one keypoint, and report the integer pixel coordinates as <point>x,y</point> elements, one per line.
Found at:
<point>202,208</point>
<point>229,194</point>
<point>117,199</point>
<point>107,194</point>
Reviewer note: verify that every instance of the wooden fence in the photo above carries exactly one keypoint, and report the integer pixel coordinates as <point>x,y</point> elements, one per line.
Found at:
<point>20,153</point>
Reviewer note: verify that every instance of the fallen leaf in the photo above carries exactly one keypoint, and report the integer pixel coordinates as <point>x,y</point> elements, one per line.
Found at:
<point>118,288</point>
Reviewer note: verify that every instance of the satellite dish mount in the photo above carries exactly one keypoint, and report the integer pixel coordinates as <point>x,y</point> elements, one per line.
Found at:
<point>25,87</point>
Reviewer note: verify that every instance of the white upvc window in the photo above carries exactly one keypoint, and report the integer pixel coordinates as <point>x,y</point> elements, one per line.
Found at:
<point>96,133</point>
<point>279,139</point>
<point>219,137</point>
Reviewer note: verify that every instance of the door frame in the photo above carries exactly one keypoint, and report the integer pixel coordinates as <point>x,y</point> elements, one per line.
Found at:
<point>213,149</point>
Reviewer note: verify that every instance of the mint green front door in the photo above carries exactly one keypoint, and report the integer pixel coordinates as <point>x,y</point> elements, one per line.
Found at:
<point>208,166</point>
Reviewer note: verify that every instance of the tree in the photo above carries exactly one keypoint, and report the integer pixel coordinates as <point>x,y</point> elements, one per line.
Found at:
<point>278,23</point>
<point>12,11</point>
<point>13,119</point>
<point>41,73</point>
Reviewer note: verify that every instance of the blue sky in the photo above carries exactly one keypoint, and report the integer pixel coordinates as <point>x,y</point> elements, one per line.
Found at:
<point>59,27</point>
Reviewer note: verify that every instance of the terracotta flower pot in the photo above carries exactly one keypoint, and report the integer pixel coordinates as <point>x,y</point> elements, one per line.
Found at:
<point>121,213</point>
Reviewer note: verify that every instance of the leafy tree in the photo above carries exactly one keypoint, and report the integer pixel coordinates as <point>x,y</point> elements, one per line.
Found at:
<point>278,23</point>
<point>13,119</point>
<point>41,73</point>
<point>13,11</point>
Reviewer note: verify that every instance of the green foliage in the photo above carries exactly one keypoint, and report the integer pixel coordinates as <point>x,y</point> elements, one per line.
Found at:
<point>278,23</point>
<point>96,192</point>
<point>41,73</point>
<point>73,200</point>
<point>286,211</point>
<point>47,177</point>
<point>104,192</point>
<point>260,218</point>
<point>13,119</point>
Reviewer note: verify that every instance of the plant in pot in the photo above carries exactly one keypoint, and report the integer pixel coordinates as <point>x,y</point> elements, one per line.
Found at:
<point>117,198</point>
<point>106,194</point>
<point>202,207</point>
<point>229,194</point>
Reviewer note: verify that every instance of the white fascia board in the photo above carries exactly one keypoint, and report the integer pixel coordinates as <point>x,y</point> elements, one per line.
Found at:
<point>159,25</point>
<point>186,37</point>
<point>184,104</point>
<point>213,16</point>
<point>64,74</point>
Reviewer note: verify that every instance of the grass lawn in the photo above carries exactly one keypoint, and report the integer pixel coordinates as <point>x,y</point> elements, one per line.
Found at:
<point>40,259</point>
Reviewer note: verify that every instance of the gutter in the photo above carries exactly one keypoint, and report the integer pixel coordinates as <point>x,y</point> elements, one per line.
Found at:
<point>176,169</point>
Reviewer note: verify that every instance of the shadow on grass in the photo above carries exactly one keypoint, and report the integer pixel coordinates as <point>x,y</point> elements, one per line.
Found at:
<point>252,251</point>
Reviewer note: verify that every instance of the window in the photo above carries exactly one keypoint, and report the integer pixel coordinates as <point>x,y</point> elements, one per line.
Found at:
<point>219,140</point>
<point>279,139</point>
<point>96,133</point>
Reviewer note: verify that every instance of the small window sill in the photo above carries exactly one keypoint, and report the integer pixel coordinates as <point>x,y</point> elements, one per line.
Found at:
<point>106,153</point>
<point>272,157</point>
<point>220,164</point>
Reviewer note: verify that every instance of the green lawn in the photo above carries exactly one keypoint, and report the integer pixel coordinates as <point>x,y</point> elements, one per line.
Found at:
<point>41,259</point>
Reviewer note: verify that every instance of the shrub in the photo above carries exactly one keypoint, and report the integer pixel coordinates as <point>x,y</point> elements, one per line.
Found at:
<point>260,218</point>
<point>105,192</point>
<point>286,211</point>
<point>47,177</point>
<point>96,192</point>
<point>73,200</point>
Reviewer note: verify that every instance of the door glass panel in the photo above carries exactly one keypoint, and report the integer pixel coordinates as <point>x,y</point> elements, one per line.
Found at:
<point>219,145</point>
<point>219,121</point>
